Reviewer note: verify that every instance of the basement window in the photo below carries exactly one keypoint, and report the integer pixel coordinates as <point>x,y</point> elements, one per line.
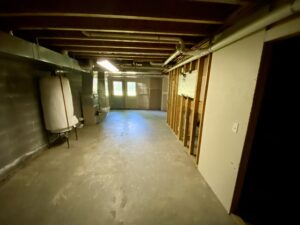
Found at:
<point>131,88</point>
<point>117,88</point>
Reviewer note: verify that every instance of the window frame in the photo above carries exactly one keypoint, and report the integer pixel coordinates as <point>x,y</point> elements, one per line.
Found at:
<point>129,91</point>
<point>114,89</point>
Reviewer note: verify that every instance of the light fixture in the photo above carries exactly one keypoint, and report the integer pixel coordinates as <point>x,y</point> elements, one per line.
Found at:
<point>107,65</point>
<point>130,72</point>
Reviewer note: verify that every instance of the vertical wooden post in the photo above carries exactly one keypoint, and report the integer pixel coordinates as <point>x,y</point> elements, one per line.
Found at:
<point>207,65</point>
<point>186,121</point>
<point>180,119</point>
<point>194,112</point>
<point>175,128</point>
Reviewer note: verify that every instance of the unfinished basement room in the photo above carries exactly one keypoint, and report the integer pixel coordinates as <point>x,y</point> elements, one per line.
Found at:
<point>170,112</point>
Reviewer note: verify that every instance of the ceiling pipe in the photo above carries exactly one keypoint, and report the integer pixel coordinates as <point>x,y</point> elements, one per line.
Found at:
<point>259,24</point>
<point>179,50</point>
<point>157,38</point>
<point>141,68</point>
<point>144,37</point>
<point>156,64</point>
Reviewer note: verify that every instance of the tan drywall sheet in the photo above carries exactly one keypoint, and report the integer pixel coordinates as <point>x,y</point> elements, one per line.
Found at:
<point>187,84</point>
<point>233,76</point>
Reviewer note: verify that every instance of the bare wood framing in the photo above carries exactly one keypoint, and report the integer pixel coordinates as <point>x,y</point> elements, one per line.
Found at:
<point>180,119</point>
<point>207,64</point>
<point>176,103</point>
<point>169,99</point>
<point>186,121</point>
<point>194,112</point>
<point>108,16</point>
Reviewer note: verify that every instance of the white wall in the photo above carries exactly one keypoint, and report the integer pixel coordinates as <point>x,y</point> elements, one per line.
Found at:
<point>234,71</point>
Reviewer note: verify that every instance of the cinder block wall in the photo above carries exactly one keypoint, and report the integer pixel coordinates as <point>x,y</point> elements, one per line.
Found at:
<point>21,119</point>
<point>21,124</point>
<point>76,89</point>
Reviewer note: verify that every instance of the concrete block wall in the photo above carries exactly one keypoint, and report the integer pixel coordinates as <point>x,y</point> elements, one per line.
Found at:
<point>21,123</point>
<point>22,130</point>
<point>76,89</point>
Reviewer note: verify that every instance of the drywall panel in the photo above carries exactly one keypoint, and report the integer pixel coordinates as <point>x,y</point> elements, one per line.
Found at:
<point>231,88</point>
<point>187,84</point>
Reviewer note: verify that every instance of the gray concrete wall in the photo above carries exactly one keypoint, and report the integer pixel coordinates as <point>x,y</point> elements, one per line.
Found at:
<point>22,128</point>
<point>76,89</point>
<point>21,124</point>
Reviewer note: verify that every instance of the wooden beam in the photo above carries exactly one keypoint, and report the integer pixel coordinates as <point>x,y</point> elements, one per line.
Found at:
<point>169,99</point>
<point>110,16</point>
<point>119,52</point>
<point>111,47</point>
<point>229,2</point>
<point>109,40</point>
<point>174,100</point>
<point>177,103</point>
<point>112,31</point>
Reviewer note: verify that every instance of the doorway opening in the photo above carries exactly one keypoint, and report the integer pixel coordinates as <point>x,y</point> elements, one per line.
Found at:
<point>265,185</point>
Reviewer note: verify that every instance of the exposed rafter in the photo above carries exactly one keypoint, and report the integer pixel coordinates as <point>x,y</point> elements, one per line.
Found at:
<point>117,29</point>
<point>108,16</point>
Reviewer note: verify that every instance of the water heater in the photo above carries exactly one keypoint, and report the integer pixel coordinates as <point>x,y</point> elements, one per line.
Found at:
<point>57,104</point>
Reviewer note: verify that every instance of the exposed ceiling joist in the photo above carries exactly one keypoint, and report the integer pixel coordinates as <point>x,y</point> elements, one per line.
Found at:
<point>66,46</point>
<point>108,16</point>
<point>119,30</point>
<point>112,40</point>
<point>141,54</point>
<point>230,2</point>
<point>87,55</point>
<point>111,31</point>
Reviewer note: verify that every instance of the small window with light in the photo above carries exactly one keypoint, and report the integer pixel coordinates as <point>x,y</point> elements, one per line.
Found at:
<point>117,88</point>
<point>131,88</point>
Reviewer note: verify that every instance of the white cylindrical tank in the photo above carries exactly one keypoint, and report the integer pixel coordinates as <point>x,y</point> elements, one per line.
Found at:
<point>57,103</point>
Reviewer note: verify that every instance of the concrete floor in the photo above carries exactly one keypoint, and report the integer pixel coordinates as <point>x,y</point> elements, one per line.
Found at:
<point>130,169</point>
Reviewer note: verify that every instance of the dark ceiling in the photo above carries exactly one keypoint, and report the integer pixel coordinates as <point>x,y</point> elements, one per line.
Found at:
<point>126,32</point>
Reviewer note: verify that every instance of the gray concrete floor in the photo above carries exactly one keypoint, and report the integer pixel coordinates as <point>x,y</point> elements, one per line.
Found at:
<point>130,169</point>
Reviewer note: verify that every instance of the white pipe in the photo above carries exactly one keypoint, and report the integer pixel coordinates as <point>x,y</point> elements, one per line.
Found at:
<point>173,56</point>
<point>259,24</point>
